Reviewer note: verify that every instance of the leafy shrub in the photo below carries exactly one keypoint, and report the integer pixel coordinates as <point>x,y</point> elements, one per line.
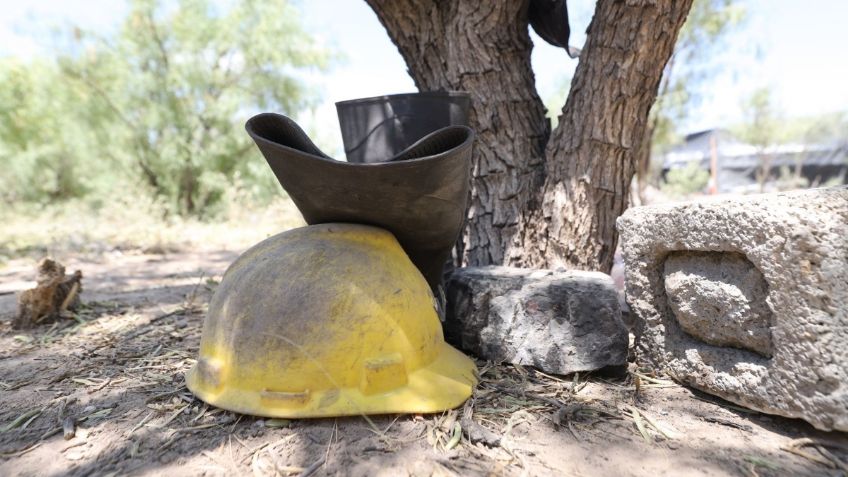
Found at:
<point>685,181</point>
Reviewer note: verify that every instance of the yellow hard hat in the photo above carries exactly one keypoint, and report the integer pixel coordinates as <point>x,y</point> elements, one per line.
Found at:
<point>327,320</point>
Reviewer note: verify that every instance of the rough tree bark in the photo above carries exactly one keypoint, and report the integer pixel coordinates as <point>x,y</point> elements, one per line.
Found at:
<point>483,48</point>
<point>539,199</point>
<point>643,163</point>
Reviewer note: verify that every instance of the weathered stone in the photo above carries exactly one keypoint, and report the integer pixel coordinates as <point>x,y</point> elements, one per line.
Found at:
<point>747,298</point>
<point>559,322</point>
<point>721,298</point>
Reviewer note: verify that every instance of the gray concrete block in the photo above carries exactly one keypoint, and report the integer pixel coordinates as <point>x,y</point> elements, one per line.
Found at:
<point>747,298</point>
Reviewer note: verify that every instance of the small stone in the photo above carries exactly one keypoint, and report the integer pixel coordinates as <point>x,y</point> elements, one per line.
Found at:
<point>69,428</point>
<point>560,322</point>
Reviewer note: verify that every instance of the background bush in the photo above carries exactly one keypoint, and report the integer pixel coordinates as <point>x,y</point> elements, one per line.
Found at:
<point>155,109</point>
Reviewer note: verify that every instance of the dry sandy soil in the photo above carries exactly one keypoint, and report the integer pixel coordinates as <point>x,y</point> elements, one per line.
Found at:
<point>116,369</point>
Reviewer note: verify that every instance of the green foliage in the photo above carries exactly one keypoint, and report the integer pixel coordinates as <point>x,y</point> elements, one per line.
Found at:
<point>816,129</point>
<point>821,128</point>
<point>555,102</point>
<point>685,181</point>
<point>765,127</point>
<point>43,145</point>
<point>762,120</point>
<point>760,130</point>
<point>160,103</point>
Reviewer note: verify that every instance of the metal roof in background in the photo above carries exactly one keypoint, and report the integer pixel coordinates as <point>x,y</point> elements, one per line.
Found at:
<point>732,152</point>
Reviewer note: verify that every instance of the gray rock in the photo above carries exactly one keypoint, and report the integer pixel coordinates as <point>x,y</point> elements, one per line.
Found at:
<point>747,298</point>
<point>559,322</point>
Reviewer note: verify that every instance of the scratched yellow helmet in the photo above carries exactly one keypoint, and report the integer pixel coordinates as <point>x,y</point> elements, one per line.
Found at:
<point>327,320</point>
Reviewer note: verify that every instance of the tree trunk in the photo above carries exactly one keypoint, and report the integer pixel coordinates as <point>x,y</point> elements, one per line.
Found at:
<point>536,202</point>
<point>484,49</point>
<point>643,164</point>
<point>764,171</point>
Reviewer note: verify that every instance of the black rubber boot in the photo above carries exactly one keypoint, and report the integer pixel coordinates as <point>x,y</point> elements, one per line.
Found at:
<point>376,129</point>
<point>419,194</point>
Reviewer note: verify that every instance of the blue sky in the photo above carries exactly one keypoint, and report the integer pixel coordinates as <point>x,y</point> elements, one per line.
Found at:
<point>797,48</point>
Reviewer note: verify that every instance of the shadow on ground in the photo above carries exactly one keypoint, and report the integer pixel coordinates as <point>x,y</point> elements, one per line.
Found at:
<point>118,372</point>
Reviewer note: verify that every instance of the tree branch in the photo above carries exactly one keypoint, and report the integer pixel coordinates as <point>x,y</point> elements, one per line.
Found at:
<point>143,145</point>
<point>591,156</point>
<point>482,48</point>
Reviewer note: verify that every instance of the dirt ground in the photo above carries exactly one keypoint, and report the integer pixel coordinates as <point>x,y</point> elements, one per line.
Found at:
<point>117,370</point>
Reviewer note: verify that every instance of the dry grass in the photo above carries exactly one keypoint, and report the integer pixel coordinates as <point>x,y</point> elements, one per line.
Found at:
<point>509,394</point>
<point>121,349</point>
<point>136,224</point>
